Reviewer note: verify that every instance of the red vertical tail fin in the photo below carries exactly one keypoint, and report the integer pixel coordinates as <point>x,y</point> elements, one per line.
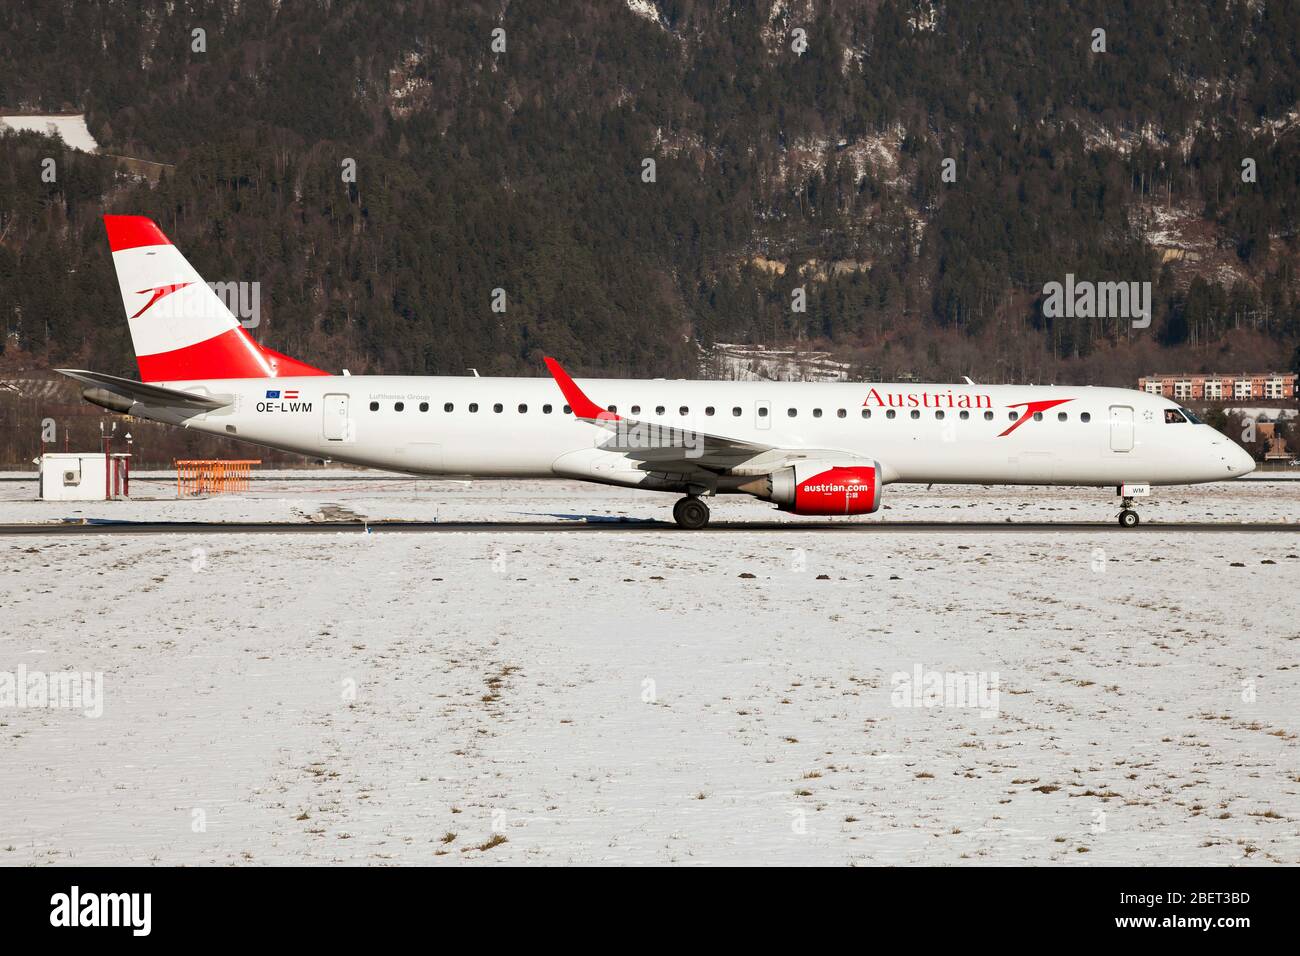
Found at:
<point>180,327</point>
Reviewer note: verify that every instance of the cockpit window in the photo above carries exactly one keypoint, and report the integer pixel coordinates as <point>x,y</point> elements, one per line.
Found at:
<point>1187,413</point>
<point>1173,417</point>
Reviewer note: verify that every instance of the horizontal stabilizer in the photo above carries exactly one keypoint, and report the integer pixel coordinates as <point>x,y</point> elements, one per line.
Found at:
<point>153,395</point>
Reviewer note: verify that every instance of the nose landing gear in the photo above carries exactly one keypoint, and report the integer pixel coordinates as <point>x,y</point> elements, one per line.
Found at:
<point>1128,518</point>
<point>691,513</point>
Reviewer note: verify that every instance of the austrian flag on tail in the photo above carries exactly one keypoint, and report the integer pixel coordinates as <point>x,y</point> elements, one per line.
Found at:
<point>195,336</point>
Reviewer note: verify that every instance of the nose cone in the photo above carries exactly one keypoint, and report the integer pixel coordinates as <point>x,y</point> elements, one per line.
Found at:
<point>1226,458</point>
<point>1240,461</point>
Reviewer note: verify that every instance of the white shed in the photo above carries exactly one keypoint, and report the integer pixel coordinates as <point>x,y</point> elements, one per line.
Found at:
<point>83,476</point>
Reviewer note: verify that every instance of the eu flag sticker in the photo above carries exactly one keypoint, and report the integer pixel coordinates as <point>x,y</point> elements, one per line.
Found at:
<point>272,393</point>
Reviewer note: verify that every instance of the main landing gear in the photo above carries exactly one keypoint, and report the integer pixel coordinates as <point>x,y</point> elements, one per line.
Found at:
<point>1128,518</point>
<point>691,513</point>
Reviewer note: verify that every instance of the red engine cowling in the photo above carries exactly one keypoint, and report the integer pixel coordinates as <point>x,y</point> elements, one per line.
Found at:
<point>816,488</point>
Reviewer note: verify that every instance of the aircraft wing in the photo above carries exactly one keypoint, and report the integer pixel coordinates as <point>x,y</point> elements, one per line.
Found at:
<point>663,447</point>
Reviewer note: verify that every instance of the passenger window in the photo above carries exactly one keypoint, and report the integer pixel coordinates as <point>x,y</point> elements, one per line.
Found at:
<point>963,415</point>
<point>841,413</point>
<point>568,410</point>
<point>762,412</point>
<point>659,409</point>
<point>523,409</point>
<point>792,412</point>
<point>1085,417</point>
<point>612,408</point>
<point>473,406</point>
<point>915,413</point>
<point>424,406</point>
<point>498,408</point>
<point>1061,416</point>
<point>890,413</point>
<point>939,415</point>
<point>636,409</point>
<point>374,406</point>
<point>1038,416</point>
<point>546,409</point>
<point>735,412</point>
<point>399,406</point>
<point>988,416</point>
<point>1013,415</point>
<point>684,410</point>
<point>709,410</point>
<point>449,407</point>
<point>866,413</point>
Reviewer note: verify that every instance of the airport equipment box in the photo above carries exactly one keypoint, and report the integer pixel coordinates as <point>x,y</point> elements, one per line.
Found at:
<point>83,476</point>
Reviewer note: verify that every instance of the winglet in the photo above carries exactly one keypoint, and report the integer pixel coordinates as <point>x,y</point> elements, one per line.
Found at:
<point>582,406</point>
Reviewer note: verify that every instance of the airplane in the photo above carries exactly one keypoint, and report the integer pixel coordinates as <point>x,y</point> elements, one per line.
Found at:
<point>817,449</point>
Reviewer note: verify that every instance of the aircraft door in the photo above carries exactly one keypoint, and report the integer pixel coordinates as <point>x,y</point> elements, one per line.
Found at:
<point>335,425</point>
<point>1121,428</point>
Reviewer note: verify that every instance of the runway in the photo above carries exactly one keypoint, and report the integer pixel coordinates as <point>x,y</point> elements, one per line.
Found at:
<point>607,526</point>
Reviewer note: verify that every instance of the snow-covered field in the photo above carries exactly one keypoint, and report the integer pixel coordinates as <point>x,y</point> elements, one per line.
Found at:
<point>660,696</point>
<point>375,496</point>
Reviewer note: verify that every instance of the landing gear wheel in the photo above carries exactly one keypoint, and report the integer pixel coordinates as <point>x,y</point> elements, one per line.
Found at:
<point>1128,519</point>
<point>691,513</point>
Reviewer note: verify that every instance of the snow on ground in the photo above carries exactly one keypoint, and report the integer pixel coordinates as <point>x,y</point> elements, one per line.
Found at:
<point>377,497</point>
<point>658,697</point>
<point>1269,414</point>
<point>72,129</point>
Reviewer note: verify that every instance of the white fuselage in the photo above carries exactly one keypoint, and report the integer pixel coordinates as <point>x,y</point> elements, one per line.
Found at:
<point>519,427</point>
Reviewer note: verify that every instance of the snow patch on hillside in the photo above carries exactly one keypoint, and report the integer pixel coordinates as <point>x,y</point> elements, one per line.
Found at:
<point>71,129</point>
<point>747,363</point>
<point>647,11</point>
<point>1123,142</point>
<point>926,19</point>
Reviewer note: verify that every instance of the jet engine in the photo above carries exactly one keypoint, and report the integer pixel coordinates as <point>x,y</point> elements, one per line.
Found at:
<point>820,488</point>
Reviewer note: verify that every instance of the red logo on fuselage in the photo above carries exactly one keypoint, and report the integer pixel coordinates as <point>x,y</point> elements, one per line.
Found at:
<point>926,400</point>
<point>158,293</point>
<point>1030,409</point>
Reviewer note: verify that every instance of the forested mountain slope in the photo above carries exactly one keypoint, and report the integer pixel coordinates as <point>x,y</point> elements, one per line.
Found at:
<point>523,169</point>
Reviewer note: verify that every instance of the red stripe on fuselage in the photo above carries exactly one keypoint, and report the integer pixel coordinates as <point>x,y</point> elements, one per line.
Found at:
<point>231,354</point>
